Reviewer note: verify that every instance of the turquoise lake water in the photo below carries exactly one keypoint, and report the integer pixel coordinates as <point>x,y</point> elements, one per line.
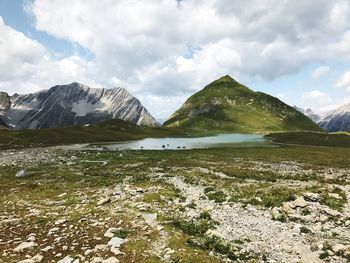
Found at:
<point>174,143</point>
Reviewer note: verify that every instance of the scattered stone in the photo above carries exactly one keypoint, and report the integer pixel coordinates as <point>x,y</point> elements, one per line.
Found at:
<point>103,201</point>
<point>110,232</point>
<point>331,212</point>
<point>22,174</point>
<point>116,242</point>
<point>97,260</point>
<point>47,248</point>
<point>61,221</point>
<point>276,214</point>
<point>111,260</point>
<point>335,195</point>
<point>116,251</point>
<point>300,202</point>
<point>339,248</point>
<point>312,197</point>
<point>31,237</point>
<point>25,246</point>
<point>36,259</point>
<point>67,259</point>
<point>103,248</point>
<point>288,207</point>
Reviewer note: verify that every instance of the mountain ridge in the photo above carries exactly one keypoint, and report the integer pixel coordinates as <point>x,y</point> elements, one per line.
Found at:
<point>70,105</point>
<point>337,120</point>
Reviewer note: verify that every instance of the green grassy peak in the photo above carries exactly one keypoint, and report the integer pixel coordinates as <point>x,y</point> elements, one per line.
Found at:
<point>225,105</point>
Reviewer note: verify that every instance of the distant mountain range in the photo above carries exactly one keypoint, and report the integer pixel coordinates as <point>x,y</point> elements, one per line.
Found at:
<point>222,106</point>
<point>70,105</point>
<point>309,113</point>
<point>228,106</point>
<point>337,120</point>
<point>332,121</point>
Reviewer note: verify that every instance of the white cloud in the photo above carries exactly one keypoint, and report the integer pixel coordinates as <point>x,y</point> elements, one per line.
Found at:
<point>344,81</point>
<point>162,48</point>
<point>134,35</point>
<point>315,98</point>
<point>27,66</point>
<point>320,72</point>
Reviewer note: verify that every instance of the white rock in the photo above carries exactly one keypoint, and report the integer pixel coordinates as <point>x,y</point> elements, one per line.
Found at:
<point>61,221</point>
<point>313,197</point>
<point>97,260</point>
<point>22,174</point>
<point>116,251</point>
<point>339,248</point>
<point>103,201</point>
<point>331,212</point>
<point>103,248</point>
<point>334,195</point>
<point>47,248</point>
<point>67,259</point>
<point>25,246</point>
<point>300,202</point>
<point>88,252</point>
<point>288,207</point>
<point>116,242</point>
<point>111,260</point>
<point>110,232</point>
<point>36,259</point>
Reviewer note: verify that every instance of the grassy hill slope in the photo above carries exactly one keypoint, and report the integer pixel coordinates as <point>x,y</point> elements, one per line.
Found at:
<point>312,138</point>
<point>228,106</point>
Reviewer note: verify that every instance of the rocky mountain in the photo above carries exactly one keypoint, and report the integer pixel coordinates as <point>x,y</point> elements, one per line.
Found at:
<point>309,113</point>
<point>228,106</point>
<point>337,120</point>
<point>69,105</point>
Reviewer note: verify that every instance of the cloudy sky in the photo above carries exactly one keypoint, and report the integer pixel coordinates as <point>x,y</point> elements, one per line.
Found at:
<point>162,51</point>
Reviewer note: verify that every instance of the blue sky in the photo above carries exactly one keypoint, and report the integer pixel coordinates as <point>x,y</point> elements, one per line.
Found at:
<point>163,51</point>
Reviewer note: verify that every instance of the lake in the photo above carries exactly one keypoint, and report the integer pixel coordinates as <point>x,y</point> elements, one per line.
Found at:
<point>173,143</point>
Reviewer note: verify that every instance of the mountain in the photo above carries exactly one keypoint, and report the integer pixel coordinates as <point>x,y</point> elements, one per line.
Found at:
<point>70,105</point>
<point>228,106</point>
<point>309,113</point>
<point>337,120</point>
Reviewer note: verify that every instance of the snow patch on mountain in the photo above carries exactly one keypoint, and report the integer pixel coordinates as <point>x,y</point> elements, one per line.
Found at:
<point>73,104</point>
<point>337,120</point>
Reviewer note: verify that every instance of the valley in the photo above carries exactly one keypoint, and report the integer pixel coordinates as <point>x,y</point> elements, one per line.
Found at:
<point>232,176</point>
<point>284,204</point>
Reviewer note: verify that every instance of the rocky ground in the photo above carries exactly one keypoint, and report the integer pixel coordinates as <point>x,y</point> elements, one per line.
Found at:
<point>229,205</point>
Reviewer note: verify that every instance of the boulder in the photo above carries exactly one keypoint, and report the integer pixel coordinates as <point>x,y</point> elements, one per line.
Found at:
<point>312,197</point>
<point>339,248</point>
<point>103,201</point>
<point>288,207</point>
<point>110,232</point>
<point>25,246</point>
<point>116,242</point>
<point>22,174</point>
<point>300,202</point>
<point>331,212</point>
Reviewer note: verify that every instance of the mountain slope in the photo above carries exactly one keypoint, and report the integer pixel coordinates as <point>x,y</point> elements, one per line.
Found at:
<point>228,106</point>
<point>337,120</point>
<point>73,104</point>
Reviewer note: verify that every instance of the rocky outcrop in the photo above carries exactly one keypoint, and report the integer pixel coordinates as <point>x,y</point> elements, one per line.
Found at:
<point>70,105</point>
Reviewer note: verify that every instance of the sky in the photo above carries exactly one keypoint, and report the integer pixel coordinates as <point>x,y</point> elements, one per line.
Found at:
<point>162,51</point>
